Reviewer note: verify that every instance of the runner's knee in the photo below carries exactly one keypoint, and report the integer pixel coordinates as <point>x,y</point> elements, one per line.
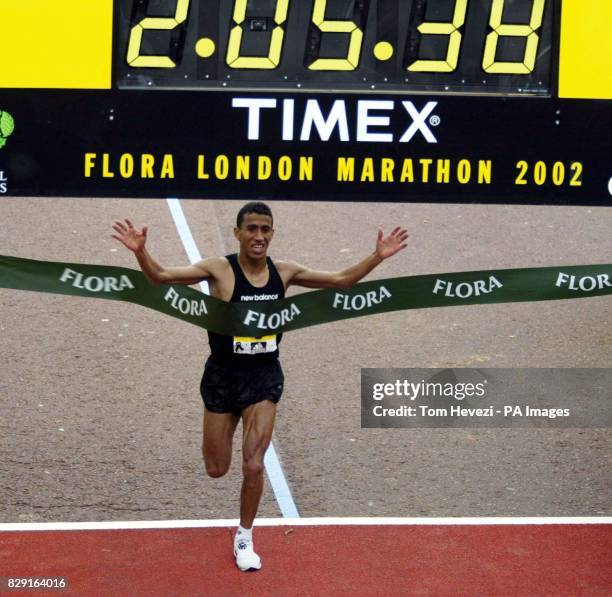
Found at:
<point>253,469</point>
<point>216,469</point>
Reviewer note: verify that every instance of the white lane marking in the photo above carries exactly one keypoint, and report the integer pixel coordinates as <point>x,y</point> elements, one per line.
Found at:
<point>303,522</point>
<point>273,468</point>
<point>186,237</point>
<point>279,484</point>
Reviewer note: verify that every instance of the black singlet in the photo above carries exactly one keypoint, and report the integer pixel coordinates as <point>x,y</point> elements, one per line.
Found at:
<point>243,351</point>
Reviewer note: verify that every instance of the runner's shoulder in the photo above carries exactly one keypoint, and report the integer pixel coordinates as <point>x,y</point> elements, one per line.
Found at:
<point>288,270</point>
<point>216,267</point>
<point>287,266</point>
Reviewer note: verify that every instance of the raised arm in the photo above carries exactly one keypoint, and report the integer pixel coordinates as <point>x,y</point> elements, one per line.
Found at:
<point>135,240</point>
<point>385,248</point>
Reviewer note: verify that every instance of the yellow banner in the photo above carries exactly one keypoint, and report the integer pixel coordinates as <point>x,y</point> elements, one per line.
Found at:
<point>61,44</point>
<point>586,49</point>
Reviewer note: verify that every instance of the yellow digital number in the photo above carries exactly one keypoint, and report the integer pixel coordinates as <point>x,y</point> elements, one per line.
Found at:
<point>449,64</point>
<point>272,60</point>
<point>134,57</point>
<point>351,61</point>
<point>525,67</point>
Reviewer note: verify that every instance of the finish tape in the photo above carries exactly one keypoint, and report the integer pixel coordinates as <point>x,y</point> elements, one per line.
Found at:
<point>256,319</point>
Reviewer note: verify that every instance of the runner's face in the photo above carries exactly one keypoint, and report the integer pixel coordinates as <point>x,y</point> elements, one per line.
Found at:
<point>254,235</point>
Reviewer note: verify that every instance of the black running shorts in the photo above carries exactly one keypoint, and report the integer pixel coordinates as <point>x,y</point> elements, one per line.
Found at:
<point>230,389</point>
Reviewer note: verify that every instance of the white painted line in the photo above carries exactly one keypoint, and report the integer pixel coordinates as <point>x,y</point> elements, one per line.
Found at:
<point>303,522</point>
<point>273,468</point>
<point>186,237</point>
<point>279,484</point>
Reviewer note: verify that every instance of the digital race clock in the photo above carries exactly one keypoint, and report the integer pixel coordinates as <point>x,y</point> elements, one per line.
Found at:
<point>472,46</point>
<point>492,101</point>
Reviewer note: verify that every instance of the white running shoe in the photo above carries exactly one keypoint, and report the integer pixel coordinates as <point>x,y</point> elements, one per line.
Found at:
<point>246,558</point>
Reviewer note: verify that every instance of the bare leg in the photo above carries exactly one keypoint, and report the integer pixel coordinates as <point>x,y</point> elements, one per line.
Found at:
<point>218,432</point>
<point>257,423</point>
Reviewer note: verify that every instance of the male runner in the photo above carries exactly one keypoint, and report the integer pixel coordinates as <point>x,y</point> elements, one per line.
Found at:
<point>242,377</point>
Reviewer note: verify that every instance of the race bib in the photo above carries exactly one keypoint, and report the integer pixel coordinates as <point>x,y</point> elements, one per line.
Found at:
<point>246,345</point>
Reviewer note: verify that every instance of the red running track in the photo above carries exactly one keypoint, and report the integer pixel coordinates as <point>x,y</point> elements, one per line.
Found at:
<point>437,560</point>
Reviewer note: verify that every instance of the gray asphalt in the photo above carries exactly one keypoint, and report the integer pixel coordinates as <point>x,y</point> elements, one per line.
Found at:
<point>100,413</point>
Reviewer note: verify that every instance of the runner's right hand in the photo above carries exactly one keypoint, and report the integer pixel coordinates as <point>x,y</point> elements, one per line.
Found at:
<point>131,237</point>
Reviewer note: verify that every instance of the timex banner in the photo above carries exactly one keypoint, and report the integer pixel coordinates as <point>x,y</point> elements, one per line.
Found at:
<point>342,147</point>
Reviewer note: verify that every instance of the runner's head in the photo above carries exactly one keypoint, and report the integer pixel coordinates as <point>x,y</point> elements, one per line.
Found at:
<point>254,229</point>
<point>254,207</point>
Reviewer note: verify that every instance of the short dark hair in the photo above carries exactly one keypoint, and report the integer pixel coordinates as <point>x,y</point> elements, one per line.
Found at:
<point>254,207</point>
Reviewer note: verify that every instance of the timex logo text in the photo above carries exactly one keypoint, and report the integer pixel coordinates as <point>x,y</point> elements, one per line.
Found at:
<point>369,121</point>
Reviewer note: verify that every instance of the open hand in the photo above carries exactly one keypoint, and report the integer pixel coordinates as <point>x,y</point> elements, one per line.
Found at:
<point>396,241</point>
<point>131,237</point>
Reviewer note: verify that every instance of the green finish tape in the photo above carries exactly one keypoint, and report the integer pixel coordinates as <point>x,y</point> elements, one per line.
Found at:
<point>310,308</point>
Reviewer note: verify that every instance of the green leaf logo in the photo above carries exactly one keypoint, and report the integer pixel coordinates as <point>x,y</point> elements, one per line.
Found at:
<point>7,126</point>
